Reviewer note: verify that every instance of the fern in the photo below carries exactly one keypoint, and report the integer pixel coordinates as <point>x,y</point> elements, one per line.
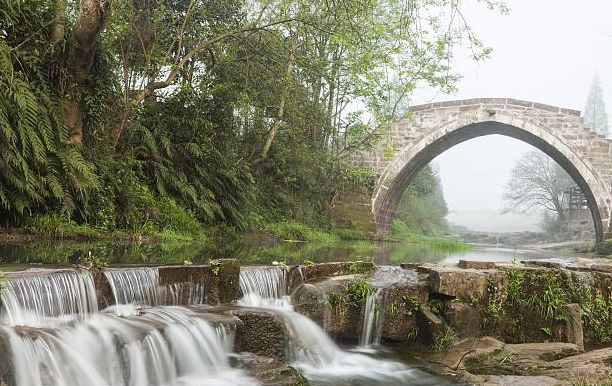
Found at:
<point>39,171</point>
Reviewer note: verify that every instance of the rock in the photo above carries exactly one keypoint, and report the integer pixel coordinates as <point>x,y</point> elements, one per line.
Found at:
<point>264,333</point>
<point>463,318</point>
<point>593,365</point>
<point>326,270</point>
<point>521,359</point>
<point>430,326</point>
<point>469,264</point>
<point>604,248</point>
<point>402,303</point>
<point>268,371</point>
<point>311,301</point>
<point>410,266</point>
<point>468,351</point>
<point>515,380</point>
<point>225,285</point>
<point>6,365</point>
<point>571,330</point>
<point>465,284</point>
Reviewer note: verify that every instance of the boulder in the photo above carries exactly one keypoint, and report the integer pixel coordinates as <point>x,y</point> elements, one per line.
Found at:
<point>515,380</point>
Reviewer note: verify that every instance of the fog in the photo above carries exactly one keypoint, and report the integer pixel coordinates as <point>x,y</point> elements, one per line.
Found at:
<point>545,51</point>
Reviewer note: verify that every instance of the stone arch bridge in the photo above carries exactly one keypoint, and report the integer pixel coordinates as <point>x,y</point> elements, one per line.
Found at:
<point>433,128</point>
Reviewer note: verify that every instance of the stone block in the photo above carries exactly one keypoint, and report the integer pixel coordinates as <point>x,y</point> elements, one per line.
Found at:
<point>263,333</point>
<point>460,283</point>
<point>430,326</point>
<point>311,301</point>
<point>402,303</point>
<point>571,331</point>
<point>463,318</point>
<point>225,285</point>
<point>470,264</point>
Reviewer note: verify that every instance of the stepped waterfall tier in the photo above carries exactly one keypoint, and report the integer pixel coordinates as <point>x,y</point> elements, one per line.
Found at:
<point>150,326</point>
<point>80,345</point>
<point>312,350</point>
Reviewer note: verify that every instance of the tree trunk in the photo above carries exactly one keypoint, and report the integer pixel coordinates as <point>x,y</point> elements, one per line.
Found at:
<point>281,107</point>
<point>59,21</point>
<point>83,44</point>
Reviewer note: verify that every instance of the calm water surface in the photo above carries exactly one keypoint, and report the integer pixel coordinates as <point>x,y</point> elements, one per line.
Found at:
<point>61,254</point>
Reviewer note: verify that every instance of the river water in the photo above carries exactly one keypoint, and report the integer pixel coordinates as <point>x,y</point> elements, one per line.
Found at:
<point>383,253</point>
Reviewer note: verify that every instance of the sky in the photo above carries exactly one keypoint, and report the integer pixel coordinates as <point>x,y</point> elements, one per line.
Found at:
<point>545,51</point>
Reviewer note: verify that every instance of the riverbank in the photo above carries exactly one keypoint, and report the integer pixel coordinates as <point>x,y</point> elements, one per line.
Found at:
<point>286,241</point>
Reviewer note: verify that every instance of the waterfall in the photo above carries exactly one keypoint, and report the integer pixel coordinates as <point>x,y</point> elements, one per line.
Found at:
<point>310,348</point>
<point>373,318</point>
<point>264,287</point>
<point>34,299</point>
<point>168,346</point>
<point>135,286</point>
<point>141,286</point>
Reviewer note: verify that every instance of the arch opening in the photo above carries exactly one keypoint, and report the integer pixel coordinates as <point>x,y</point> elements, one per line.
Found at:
<point>391,188</point>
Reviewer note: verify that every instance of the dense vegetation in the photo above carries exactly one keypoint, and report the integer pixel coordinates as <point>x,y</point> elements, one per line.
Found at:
<point>422,207</point>
<point>164,117</point>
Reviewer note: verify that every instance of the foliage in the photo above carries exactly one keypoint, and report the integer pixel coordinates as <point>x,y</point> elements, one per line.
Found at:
<point>40,171</point>
<point>91,261</point>
<point>401,231</point>
<point>291,230</point>
<point>358,267</point>
<point>181,115</point>
<point>444,340</point>
<point>422,207</point>
<point>357,291</point>
<point>215,266</point>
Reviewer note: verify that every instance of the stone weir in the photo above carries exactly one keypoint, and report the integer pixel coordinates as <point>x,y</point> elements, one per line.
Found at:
<point>543,322</point>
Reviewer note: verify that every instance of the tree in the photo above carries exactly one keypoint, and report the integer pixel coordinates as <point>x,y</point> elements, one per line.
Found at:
<point>536,182</point>
<point>595,115</point>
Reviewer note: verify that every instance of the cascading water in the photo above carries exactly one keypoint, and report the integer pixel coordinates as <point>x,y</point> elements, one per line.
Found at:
<point>135,286</point>
<point>78,346</point>
<point>167,347</point>
<point>33,300</point>
<point>312,350</point>
<point>141,286</point>
<point>373,317</point>
<point>264,287</point>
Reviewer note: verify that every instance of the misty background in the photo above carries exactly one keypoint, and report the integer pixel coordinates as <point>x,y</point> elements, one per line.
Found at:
<point>551,58</point>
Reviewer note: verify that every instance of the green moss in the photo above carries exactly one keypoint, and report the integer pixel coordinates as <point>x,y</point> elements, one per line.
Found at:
<point>300,379</point>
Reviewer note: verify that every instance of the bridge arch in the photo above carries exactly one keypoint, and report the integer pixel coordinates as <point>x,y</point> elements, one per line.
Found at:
<point>435,128</point>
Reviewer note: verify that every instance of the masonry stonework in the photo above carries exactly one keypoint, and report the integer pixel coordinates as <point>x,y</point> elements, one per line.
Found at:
<point>431,129</point>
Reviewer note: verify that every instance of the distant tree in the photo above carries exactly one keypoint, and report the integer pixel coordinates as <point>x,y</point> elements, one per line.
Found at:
<point>536,182</point>
<point>595,115</point>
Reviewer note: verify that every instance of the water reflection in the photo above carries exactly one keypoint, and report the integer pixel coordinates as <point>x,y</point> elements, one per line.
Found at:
<point>382,253</point>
